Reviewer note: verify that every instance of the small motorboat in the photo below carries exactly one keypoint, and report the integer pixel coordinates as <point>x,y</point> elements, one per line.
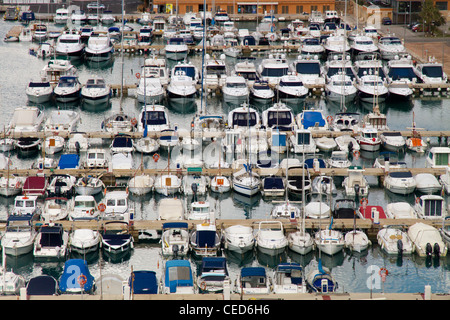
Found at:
<point>175,239</point>
<point>55,209</point>
<point>355,178</point>
<point>400,210</point>
<point>84,241</point>
<point>43,285</point>
<point>143,282</point>
<point>19,236</point>
<point>273,187</point>
<point>285,210</point>
<point>430,207</point>
<point>178,278</point>
<point>319,279</point>
<point>212,275</point>
<point>326,144</point>
<point>288,277</point>
<point>205,240</point>
<point>51,242</point>
<point>170,209</point>
<point>373,213</point>
<point>393,240</point>
<point>356,240</point>
<point>270,238</point>
<point>39,91</point>
<point>220,184</point>
<point>400,182</point>
<point>83,207</point>
<point>11,283</point>
<point>392,140</point>
<point>27,206</point>
<point>140,184</point>
<point>84,282</point>
<point>324,184</point>
<point>427,183</point>
<point>339,159</point>
<point>239,238</point>
<point>61,185</point>
<point>427,240</point>
<point>317,210</point>
<point>253,280</point>
<point>347,143</point>
<point>444,179</point>
<point>88,185</point>
<point>116,238</point>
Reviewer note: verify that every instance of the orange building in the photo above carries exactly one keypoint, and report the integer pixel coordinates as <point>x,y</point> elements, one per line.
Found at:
<point>287,7</point>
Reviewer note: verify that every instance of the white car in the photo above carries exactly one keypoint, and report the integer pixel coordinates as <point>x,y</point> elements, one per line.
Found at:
<point>95,5</point>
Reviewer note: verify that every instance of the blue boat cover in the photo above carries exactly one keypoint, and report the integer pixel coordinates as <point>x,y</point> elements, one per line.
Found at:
<point>143,282</point>
<point>151,117</point>
<point>113,29</point>
<point>310,163</point>
<point>68,161</point>
<point>178,274</point>
<point>175,225</point>
<point>273,183</point>
<point>253,271</point>
<point>122,142</point>
<point>70,278</point>
<point>43,285</point>
<point>310,119</point>
<point>205,238</point>
<point>406,174</point>
<point>213,263</point>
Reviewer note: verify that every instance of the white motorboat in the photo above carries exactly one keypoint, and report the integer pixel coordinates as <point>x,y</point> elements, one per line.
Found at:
<point>167,184</point>
<point>114,206</point>
<point>51,242</point>
<point>324,184</point>
<point>146,145</point>
<point>288,278</point>
<point>68,89</point>
<point>311,46</point>
<point>427,240</point>
<point>309,70</point>
<point>355,178</point>
<point>232,48</point>
<point>430,207</point>
<point>438,157</point>
<point>96,158</point>
<point>39,91</point>
<point>244,118</point>
<point>62,121</point>
<point>27,206</point>
<point>247,69</point>
<point>56,68</point>
<point>83,207</point>
<point>171,209</point>
<point>107,18</point>
<point>117,238</point>
<point>199,210</point>
<point>212,275</point>
<point>84,241</point>
<point>317,210</point>
<point>61,185</point>
<point>400,210</point>
<point>356,240</point>
<point>153,118</point>
<point>78,17</point>
<point>89,185</point>
<point>270,238</point>
<point>122,143</point>
<point>11,283</point>
<point>150,90</point>
<point>313,120</point>
<point>278,116</point>
<point>346,121</point>
<point>273,68</point>
<point>302,141</point>
<point>340,87</point>
<point>215,71</point>
<point>54,144</point>
<point>195,184</point>
<point>204,240</point>
<point>290,87</point>
<point>181,89</point>
<point>393,240</point>
<point>246,182</point>
<point>235,90</point>
<point>40,33</point>
<point>175,239</point>
<point>19,235</point>
<point>431,72</point>
<point>339,159</point>
<point>285,210</point>
<point>169,138</point>
<point>261,92</point>
<point>347,143</point>
<point>444,179</point>
<point>26,119</point>
<point>99,47</point>
<point>326,144</point>
<point>363,44</point>
<point>140,184</point>
<point>155,67</point>
<point>372,88</point>
<point>299,183</point>
<point>253,281</point>
<point>61,16</point>
<point>239,238</point>
<point>400,182</point>
<point>390,46</point>
<point>368,139</point>
<point>11,185</point>
<point>69,44</point>
<point>392,140</point>
<point>336,44</point>
<point>187,69</point>
<point>329,241</point>
<point>427,183</point>
<point>176,49</point>
<point>400,74</point>
<point>96,91</point>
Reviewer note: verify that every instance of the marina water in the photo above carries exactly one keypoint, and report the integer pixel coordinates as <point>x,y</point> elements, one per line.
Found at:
<point>353,272</point>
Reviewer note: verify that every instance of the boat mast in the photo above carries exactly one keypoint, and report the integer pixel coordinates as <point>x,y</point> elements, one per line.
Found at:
<point>203,59</point>
<point>121,55</point>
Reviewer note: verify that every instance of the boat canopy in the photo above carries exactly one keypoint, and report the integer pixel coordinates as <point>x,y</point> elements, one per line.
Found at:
<point>181,225</point>
<point>43,285</point>
<point>253,272</point>
<point>273,183</point>
<point>432,71</point>
<point>69,283</point>
<point>398,174</point>
<point>280,118</point>
<point>205,238</point>
<point>178,274</point>
<point>311,118</point>
<point>68,161</point>
<point>397,73</point>
<point>143,282</point>
<point>51,236</point>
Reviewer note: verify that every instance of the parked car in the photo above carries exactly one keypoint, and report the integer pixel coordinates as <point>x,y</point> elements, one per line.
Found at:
<point>419,28</point>
<point>386,21</point>
<point>412,24</point>
<point>95,5</point>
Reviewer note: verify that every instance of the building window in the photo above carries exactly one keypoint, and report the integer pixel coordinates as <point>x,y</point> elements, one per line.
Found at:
<point>230,9</point>
<point>442,5</point>
<point>326,8</point>
<point>313,8</point>
<point>285,9</point>
<point>189,8</point>
<point>299,9</point>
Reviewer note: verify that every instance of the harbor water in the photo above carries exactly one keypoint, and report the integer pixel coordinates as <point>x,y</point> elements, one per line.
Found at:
<point>353,272</point>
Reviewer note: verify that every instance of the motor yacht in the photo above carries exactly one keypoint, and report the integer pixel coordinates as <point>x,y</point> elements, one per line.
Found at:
<point>290,88</point>
<point>96,91</point>
<point>363,44</point>
<point>340,87</point>
<point>176,49</point>
<point>69,44</point>
<point>39,91</point>
<point>400,182</point>
<point>61,16</point>
<point>400,74</point>
<point>309,70</point>
<point>273,68</point>
<point>99,47</point>
<point>68,89</point>
<point>390,46</point>
<point>150,90</point>
<point>235,90</point>
<point>26,119</point>
<point>311,47</point>
<point>372,88</point>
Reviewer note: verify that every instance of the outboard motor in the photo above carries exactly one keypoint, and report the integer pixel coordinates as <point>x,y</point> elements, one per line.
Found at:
<point>175,250</point>
<point>400,246</point>
<point>77,147</point>
<point>58,190</point>
<point>194,188</point>
<point>428,249</point>
<point>350,147</point>
<point>436,250</point>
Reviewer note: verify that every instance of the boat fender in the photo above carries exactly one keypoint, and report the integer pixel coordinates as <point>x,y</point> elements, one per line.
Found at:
<point>428,249</point>
<point>203,285</point>
<point>400,246</point>
<point>436,249</point>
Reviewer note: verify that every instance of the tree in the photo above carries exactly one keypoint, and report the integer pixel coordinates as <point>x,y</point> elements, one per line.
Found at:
<point>430,16</point>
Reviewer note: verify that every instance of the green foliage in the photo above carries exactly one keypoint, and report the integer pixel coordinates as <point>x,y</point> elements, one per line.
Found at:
<point>430,16</point>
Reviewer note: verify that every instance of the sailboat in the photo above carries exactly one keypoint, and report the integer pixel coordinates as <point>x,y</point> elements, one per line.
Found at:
<point>119,121</point>
<point>415,142</point>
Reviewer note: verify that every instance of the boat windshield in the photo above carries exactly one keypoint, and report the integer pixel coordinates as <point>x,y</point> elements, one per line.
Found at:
<point>84,204</point>
<point>374,83</point>
<point>24,204</point>
<point>154,118</point>
<point>308,68</point>
<point>432,71</point>
<point>244,119</point>
<point>342,83</point>
<point>433,208</point>
<point>99,83</point>
<point>65,40</point>
<point>365,43</point>
<point>370,135</point>
<point>279,118</point>
<point>371,70</point>
<point>275,72</point>
<point>200,209</point>
<point>217,70</point>
<point>303,138</point>
<point>397,73</point>
<point>334,70</point>
<point>291,84</point>
<point>390,41</point>
<point>236,85</point>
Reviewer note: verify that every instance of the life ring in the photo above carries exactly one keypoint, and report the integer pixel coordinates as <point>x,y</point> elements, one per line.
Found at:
<point>417,200</point>
<point>203,285</point>
<point>134,121</point>
<point>82,279</point>
<point>102,207</point>
<point>138,75</point>
<point>156,157</point>
<point>17,186</point>
<point>356,154</point>
<point>383,271</point>
<point>364,201</point>
<point>92,212</point>
<point>272,37</point>
<point>330,119</point>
